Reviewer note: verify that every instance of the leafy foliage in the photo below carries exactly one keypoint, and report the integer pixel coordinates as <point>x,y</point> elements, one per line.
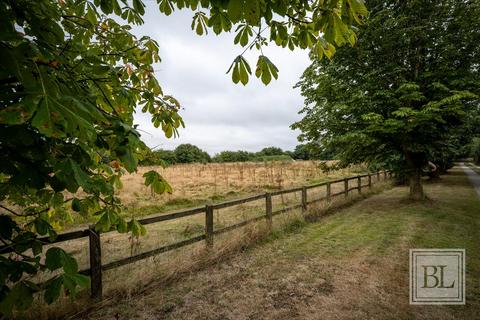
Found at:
<point>158,157</point>
<point>318,25</point>
<point>302,152</point>
<point>399,97</point>
<point>266,154</point>
<point>157,183</point>
<point>68,93</point>
<point>71,77</point>
<point>234,156</point>
<point>188,153</point>
<point>271,151</point>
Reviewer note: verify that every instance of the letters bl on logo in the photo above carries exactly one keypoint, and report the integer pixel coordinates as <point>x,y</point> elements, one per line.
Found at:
<point>437,276</point>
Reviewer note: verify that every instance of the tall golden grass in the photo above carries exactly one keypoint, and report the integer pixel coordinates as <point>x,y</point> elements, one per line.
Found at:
<point>213,181</point>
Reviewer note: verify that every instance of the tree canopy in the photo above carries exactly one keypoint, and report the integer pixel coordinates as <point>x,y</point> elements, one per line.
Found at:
<point>397,97</point>
<point>71,77</point>
<point>188,153</point>
<point>234,156</point>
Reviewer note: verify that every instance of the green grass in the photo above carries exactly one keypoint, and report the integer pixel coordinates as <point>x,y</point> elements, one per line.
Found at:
<point>474,167</point>
<point>449,217</point>
<point>388,225</point>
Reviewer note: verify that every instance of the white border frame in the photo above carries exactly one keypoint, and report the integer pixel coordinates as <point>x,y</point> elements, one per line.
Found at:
<point>425,301</point>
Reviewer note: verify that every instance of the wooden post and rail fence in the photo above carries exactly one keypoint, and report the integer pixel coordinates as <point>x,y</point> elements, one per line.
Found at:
<point>97,268</point>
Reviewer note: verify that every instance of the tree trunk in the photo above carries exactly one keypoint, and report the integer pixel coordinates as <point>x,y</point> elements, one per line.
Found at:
<point>416,187</point>
<point>414,163</point>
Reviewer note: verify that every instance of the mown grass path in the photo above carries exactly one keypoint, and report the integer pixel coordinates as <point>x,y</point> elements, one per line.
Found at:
<point>473,177</point>
<point>349,265</point>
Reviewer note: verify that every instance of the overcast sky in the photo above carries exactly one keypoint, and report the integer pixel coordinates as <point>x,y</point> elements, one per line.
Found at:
<point>218,114</point>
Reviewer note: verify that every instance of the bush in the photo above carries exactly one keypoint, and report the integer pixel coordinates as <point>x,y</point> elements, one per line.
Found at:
<point>283,157</point>
<point>312,151</point>
<point>233,156</point>
<point>188,153</point>
<point>271,151</point>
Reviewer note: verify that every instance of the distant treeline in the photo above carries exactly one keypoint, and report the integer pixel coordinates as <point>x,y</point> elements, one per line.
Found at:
<point>188,153</point>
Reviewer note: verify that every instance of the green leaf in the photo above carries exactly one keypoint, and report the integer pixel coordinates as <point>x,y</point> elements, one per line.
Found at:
<point>139,6</point>
<point>70,265</point>
<point>136,228</point>
<point>41,226</point>
<point>52,291</point>
<point>122,225</point>
<point>166,7</point>
<point>244,32</point>
<point>42,119</point>
<point>6,227</point>
<point>199,23</point>
<point>235,10</point>
<point>199,29</point>
<point>53,259</point>
<point>77,205</point>
<point>57,257</point>
<point>156,182</point>
<point>36,247</point>
<point>236,73</point>
<point>106,6</point>
<point>106,221</point>
<point>91,14</point>
<point>79,175</point>
<point>128,159</point>
<point>245,71</point>
<point>265,70</point>
<point>17,113</point>
<point>79,279</point>
<point>240,70</point>
<point>252,12</point>
<point>218,22</point>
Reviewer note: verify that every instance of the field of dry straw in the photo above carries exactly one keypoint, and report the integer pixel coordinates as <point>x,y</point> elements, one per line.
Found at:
<point>196,184</point>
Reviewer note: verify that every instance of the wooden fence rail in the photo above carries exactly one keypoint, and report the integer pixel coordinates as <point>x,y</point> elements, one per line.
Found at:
<point>94,236</point>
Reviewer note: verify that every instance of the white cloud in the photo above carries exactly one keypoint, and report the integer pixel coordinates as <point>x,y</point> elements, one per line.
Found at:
<point>218,114</point>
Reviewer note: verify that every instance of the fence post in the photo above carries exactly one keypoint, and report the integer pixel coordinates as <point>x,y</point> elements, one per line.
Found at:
<point>359,184</point>
<point>304,199</point>
<point>95,264</point>
<point>369,181</point>
<point>268,209</point>
<point>378,176</point>
<point>384,175</point>
<point>345,184</point>
<point>329,191</point>
<point>209,225</point>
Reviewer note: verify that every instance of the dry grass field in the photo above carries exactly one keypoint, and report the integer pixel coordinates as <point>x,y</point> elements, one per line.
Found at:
<point>196,184</point>
<point>349,265</point>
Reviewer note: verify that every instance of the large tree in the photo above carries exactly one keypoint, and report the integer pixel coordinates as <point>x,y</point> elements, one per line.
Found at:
<point>72,75</point>
<point>188,153</point>
<point>399,95</point>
